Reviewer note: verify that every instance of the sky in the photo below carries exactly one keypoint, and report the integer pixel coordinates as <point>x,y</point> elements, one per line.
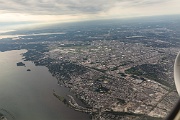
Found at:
<point>28,12</point>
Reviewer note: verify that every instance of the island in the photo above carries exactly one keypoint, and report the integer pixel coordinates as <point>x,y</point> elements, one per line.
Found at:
<point>20,64</point>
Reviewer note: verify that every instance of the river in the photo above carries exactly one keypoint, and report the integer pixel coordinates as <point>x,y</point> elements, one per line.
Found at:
<point>28,95</point>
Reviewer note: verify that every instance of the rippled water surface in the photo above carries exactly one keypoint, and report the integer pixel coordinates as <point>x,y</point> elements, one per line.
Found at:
<point>28,95</point>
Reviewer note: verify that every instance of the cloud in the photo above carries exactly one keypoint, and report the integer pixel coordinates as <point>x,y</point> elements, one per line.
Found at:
<point>75,10</point>
<point>54,6</point>
<point>144,2</point>
<point>62,7</point>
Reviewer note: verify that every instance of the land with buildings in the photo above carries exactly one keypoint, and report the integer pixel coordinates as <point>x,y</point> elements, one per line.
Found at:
<point>120,70</point>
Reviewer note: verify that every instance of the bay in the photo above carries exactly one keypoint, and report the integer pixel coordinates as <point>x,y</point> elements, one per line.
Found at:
<point>28,95</point>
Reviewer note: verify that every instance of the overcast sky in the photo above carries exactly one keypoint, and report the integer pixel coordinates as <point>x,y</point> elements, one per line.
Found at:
<point>74,10</point>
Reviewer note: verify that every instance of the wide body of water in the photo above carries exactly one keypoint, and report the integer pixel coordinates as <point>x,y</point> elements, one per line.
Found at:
<point>28,95</point>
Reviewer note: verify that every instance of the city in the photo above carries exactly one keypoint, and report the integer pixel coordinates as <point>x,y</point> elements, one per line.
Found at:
<point>120,71</point>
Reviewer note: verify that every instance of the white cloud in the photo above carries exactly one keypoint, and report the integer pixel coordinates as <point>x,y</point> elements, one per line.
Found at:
<point>72,10</point>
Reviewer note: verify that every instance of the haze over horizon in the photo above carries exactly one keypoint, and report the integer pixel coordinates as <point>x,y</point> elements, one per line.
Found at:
<point>20,13</point>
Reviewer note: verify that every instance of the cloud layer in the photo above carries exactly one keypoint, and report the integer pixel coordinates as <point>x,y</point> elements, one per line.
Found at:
<point>64,10</point>
<point>63,7</point>
<point>57,7</point>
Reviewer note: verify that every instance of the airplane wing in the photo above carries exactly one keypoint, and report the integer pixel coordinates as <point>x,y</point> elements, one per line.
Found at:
<point>175,113</point>
<point>177,73</point>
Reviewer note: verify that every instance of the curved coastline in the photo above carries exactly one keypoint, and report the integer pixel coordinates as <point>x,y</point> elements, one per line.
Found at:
<point>19,86</point>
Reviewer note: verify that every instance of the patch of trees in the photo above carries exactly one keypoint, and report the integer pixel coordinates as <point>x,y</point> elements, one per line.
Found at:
<point>151,71</point>
<point>65,69</point>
